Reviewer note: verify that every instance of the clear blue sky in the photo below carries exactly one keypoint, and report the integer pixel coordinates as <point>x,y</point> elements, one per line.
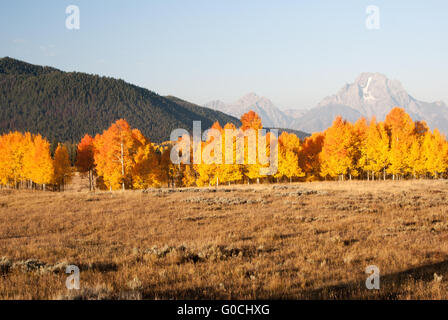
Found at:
<point>294,52</point>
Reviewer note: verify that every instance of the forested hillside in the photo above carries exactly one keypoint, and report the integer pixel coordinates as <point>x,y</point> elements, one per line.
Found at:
<point>63,106</point>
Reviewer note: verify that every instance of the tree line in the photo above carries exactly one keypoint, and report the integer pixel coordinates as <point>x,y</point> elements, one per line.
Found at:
<point>123,158</point>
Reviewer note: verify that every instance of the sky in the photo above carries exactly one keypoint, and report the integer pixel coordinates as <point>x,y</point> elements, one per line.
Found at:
<point>294,52</point>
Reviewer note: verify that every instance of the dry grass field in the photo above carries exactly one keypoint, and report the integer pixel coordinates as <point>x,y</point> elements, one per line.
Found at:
<point>292,241</point>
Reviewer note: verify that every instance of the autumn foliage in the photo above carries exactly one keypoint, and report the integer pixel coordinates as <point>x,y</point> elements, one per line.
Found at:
<point>122,158</point>
<point>25,161</point>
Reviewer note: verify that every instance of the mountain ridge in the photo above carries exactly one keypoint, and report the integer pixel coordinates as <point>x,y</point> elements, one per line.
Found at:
<point>371,94</point>
<point>271,116</point>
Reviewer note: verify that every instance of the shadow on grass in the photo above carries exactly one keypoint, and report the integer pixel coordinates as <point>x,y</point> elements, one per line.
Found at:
<point>391,285</point>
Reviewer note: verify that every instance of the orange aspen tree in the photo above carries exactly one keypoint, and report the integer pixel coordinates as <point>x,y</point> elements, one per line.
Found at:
<point>114,152</point>
<point>251,121</point>
<point>84,160</point>
<point>309,156</point>
<point>62,167</point>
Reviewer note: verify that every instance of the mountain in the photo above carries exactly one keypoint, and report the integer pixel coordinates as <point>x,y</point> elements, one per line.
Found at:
<point>63,106</point>
<point>321,117</point>
<point>294,114</point>
<point>269,113</point>
<point>372,94</point>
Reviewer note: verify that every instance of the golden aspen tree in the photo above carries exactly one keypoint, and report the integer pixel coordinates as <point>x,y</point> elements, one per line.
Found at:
<point>145,171</point>
<point>212,158</point>
<point>38,162</point>
<point>189,176</point>
<point>435,150</point>
<point>230,171</point>
<point>358,138</point>
<point>336,152</point>
<point>168,170</point>
<point>13,148</point>
<point>62,167</point>
<point>416,156</point>
<point>28,164</point>
<point>401,130</point>
<point>288,158</point>
<point>4,172</point>
<point>375,150</point>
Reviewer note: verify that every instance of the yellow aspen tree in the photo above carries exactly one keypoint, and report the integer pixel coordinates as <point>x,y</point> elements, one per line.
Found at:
<point>145,172</point>
<point>168,170</point>
<point>435,150</point>
<point>336,151</point>
<point>13,147</point>
<point>401,130</point>
<point>416,156</point>
<point>211,159</point>
<point>189,176</point>
<point>375,150</point>
<point>39,162</point>
<point>288,158</point>
<point>358,138</point>
<point>232,171</point>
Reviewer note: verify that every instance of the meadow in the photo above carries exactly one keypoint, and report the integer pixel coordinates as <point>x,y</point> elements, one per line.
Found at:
<point>286,241</point>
